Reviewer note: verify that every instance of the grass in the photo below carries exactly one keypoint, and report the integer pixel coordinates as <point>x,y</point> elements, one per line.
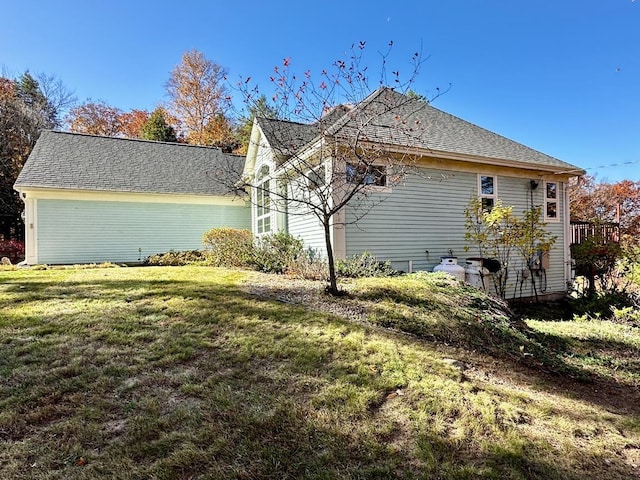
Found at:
<point>177,373</point>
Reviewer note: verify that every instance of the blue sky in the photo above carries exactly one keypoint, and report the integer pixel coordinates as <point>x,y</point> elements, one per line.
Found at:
<point>560,76</point>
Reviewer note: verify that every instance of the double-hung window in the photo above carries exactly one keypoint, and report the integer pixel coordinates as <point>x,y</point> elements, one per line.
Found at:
<point>551,201</point>
<point>488,191</point>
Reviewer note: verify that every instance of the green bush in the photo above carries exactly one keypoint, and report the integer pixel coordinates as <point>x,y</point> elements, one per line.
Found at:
<point>229,247</point>
<point>172,258</point>
<point>364,265</point>
<point>277,252</point>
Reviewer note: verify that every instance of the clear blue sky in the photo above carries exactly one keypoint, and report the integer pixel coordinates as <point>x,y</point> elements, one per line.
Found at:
<point>561,76</point>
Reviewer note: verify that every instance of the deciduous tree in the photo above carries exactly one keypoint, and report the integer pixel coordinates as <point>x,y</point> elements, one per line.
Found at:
<point>351,156</point>
<point>24,112</point>
<point>199,98</point>
<point>95,118</point>
<point>601,202</point>
<point>131,123</point>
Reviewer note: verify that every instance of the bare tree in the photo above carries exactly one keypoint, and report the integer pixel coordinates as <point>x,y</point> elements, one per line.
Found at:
<point>60,97</point>
<point>334,143</point>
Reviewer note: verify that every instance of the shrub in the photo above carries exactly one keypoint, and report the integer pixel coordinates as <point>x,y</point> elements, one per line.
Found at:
<point>188,257</point>
<point>596,261</point>
<point>364,265</point>
<point>228,247</point>
<point>277,252</point>
<point>309,266</point>
<point>13,250</point>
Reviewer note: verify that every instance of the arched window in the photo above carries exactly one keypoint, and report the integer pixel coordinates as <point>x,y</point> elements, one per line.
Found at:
<point>263,201</point>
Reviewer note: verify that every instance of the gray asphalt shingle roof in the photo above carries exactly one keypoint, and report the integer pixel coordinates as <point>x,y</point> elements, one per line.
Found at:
<point>391,118</point>
<point>88,162</point>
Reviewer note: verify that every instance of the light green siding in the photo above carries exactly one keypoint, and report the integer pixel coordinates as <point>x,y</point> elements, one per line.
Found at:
<point>423,219</point>
<point>71,231</point>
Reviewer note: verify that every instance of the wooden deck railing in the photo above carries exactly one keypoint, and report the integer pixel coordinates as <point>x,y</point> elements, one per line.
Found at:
<point>609,232</point>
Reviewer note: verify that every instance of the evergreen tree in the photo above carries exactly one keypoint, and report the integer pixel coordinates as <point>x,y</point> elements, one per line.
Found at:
<point>157,128</point>
<point>261,108</point>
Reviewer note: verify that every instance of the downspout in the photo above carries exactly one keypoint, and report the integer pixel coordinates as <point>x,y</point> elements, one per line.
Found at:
<point>567,234</point>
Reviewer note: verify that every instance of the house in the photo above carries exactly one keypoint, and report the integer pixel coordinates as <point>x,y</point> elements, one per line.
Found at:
<point>413,216</point>
<point>97,199</point>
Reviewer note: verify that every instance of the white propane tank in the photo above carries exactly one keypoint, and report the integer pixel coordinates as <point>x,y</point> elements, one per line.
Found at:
<point>450,265</point>
<point>476,274</point>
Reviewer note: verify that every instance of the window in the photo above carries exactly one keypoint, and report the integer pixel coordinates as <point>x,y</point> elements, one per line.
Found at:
<point>361,173</point>
<point>488,189</point>
<point>316,178</point>
<point>551,201</point>
<point>263,202</point>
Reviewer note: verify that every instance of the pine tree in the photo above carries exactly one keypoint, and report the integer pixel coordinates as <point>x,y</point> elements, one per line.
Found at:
<point>157,128</point>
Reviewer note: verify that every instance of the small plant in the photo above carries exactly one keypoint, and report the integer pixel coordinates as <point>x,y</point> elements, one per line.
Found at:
<point>277,252</point>
<point>188,257</point>
<point>228,247</point>
<point>364,265</point>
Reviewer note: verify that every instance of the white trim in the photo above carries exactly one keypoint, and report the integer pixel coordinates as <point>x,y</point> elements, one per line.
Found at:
<point>566,220</point>
<point>31,230</point>
<point>100,196</point>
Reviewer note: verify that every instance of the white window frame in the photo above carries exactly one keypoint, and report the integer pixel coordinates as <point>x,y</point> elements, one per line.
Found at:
<point>492,196</point>
<point>551,200</point>
<point>264,217</point>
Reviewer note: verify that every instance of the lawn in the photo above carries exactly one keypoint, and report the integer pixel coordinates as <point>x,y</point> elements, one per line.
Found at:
<point>204,373</point>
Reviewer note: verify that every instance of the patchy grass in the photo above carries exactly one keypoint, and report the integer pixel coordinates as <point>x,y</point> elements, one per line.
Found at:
<point>176,372</point>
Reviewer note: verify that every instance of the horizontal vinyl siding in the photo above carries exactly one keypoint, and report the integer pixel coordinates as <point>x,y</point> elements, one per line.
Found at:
<point>418,221</point>
<point>97,231</point>
<point>309,229</point>
<point>303,224</point>
<point>423,219</point>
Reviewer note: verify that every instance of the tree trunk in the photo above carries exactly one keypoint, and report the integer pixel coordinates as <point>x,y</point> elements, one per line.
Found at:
<point>333,281</point>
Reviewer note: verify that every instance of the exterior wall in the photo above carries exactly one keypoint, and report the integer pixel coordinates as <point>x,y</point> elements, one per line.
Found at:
<point>264,157</point>
<point>309,229</point>
<point>423,219</point>
<point>66,230</point>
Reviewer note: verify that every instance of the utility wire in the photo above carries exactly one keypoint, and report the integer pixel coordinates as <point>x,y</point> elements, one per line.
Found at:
<point>632,162</point>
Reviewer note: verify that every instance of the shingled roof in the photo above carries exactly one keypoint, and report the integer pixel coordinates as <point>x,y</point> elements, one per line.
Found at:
<point>391,118</point>
<point>63,160</point>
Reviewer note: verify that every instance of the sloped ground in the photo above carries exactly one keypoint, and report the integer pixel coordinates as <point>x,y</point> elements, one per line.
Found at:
<point>194,372</point>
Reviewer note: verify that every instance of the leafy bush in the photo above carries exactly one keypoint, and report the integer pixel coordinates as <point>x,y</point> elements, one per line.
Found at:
<point>13,250</point>
<point>364,265</point>
<point>188,257</point>
<point>277,252</point>
<point>229,247</point>
<point>596,260</point>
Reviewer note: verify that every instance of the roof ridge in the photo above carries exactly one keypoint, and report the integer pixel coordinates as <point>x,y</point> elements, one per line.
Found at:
<point>139,140</point>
